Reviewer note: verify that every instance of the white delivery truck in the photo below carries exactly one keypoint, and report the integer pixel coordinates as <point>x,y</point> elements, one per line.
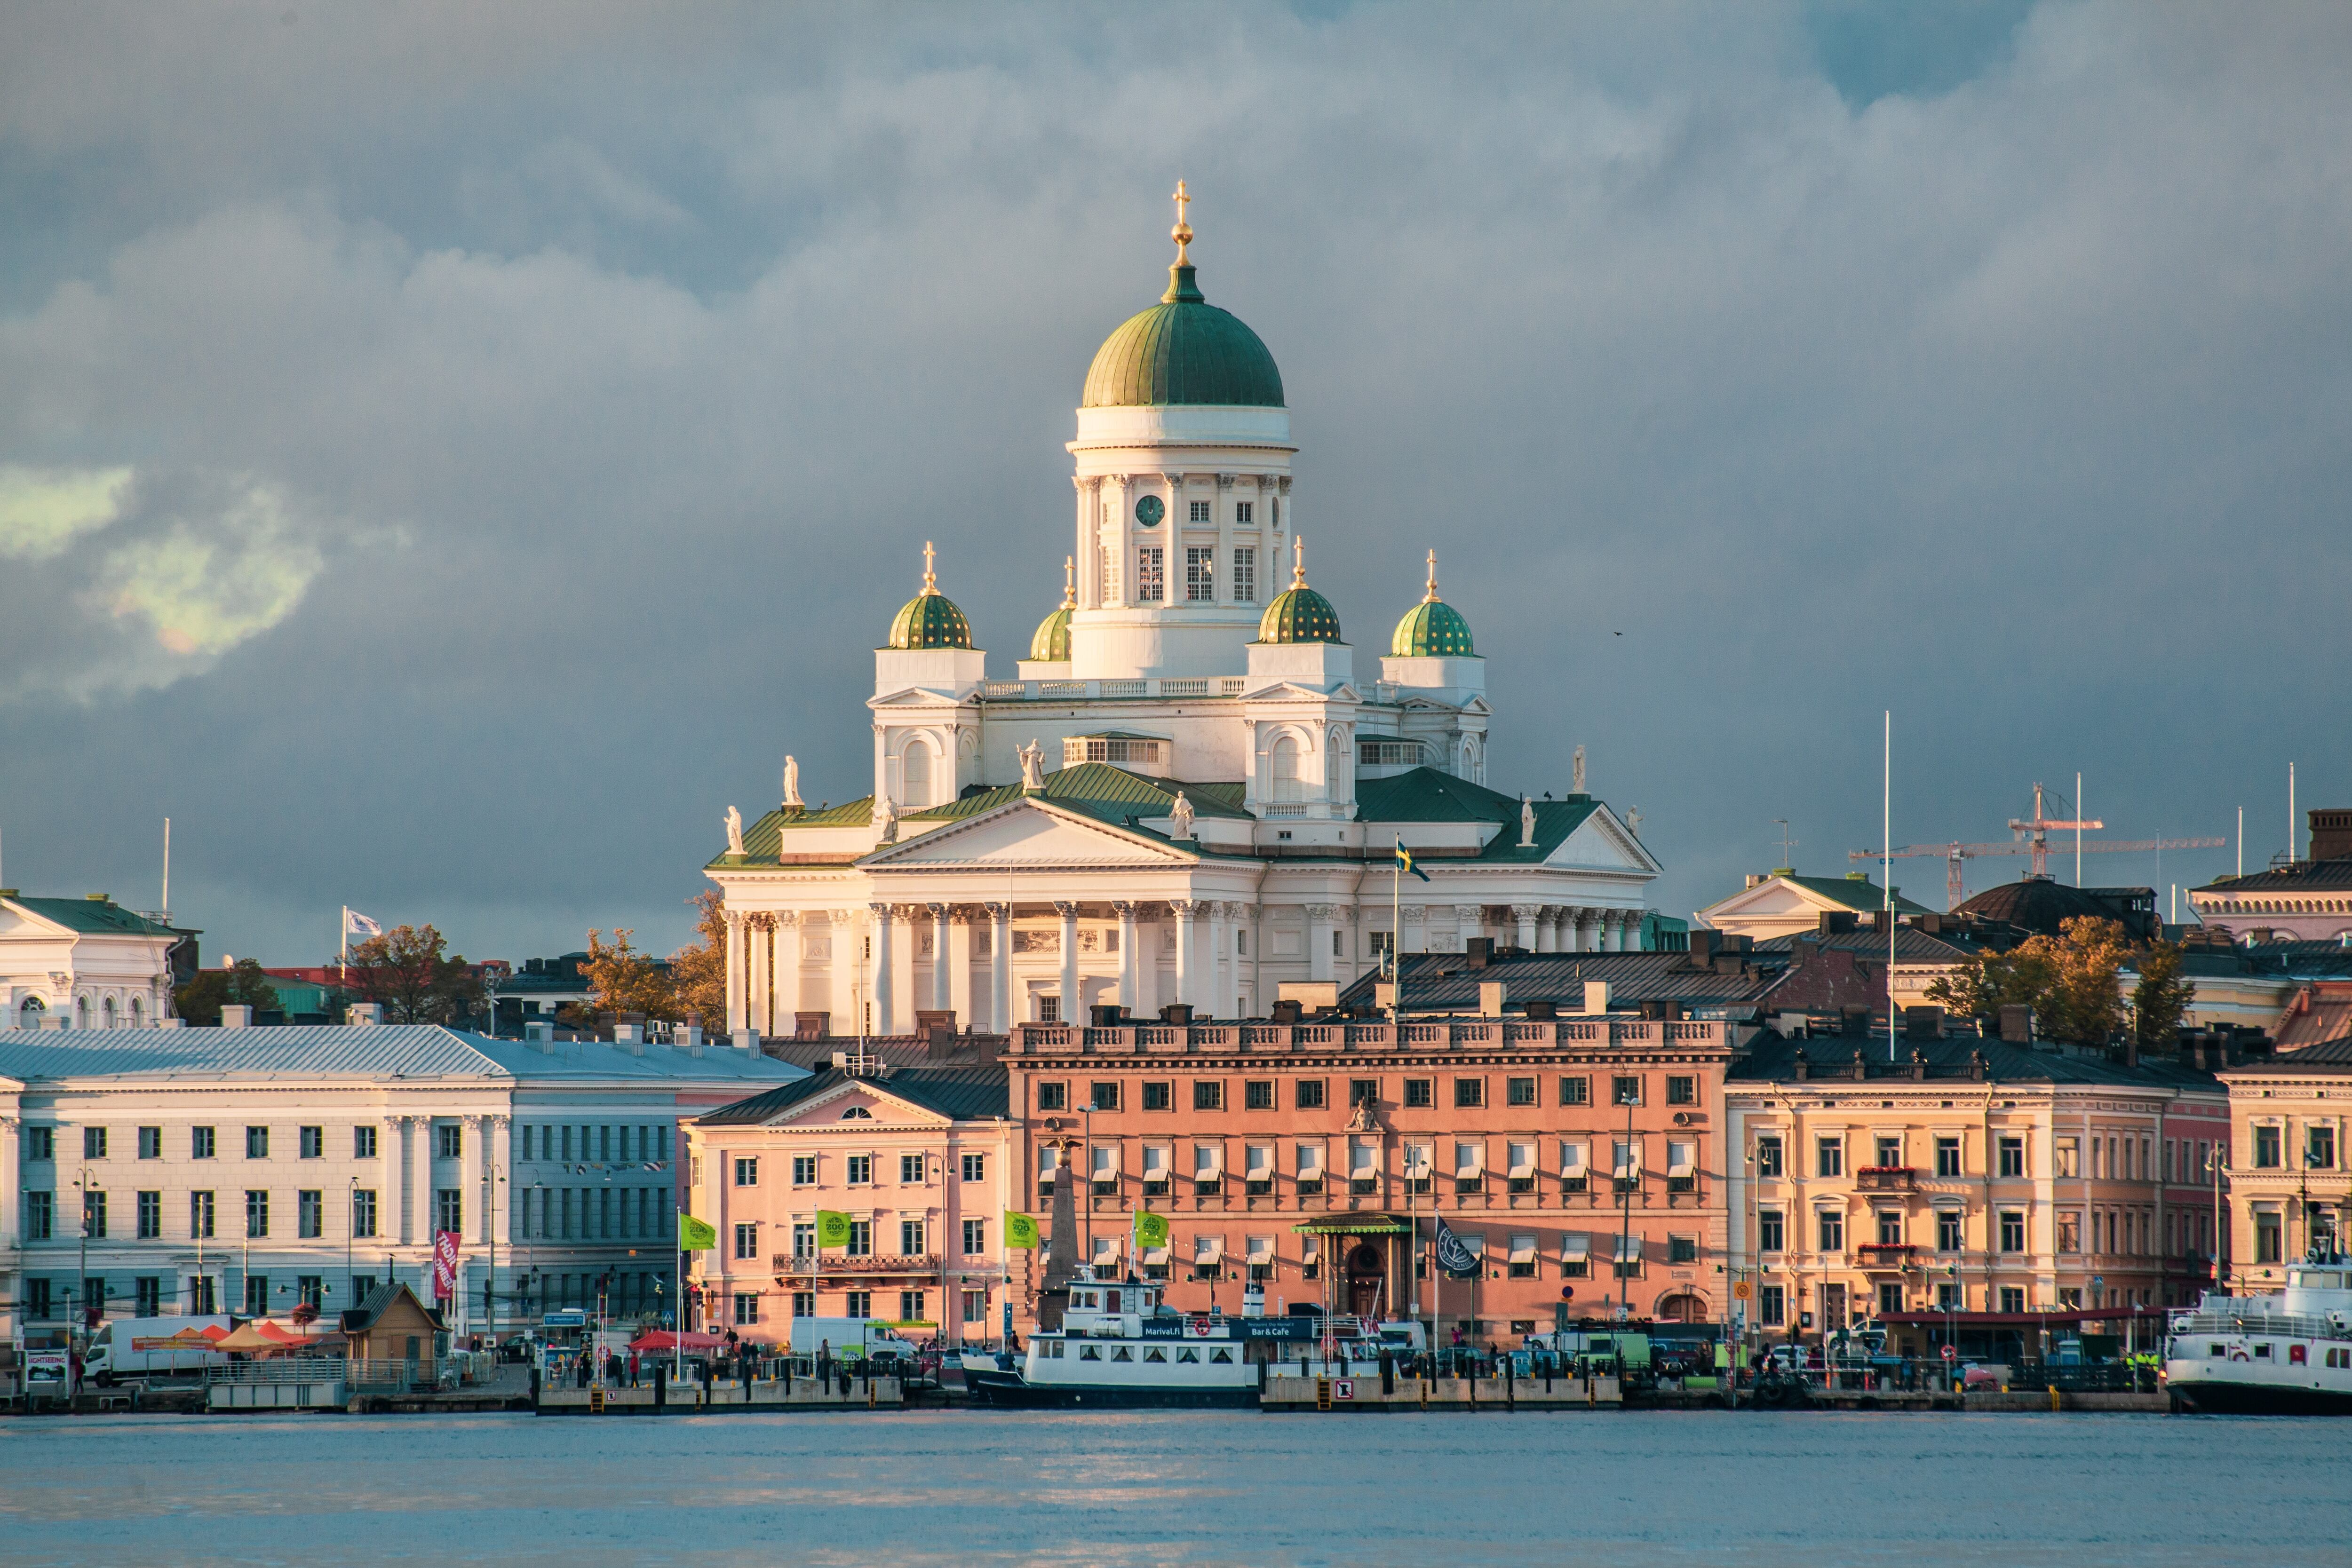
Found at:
<point>851,1340</point>
<point>151,1348</point>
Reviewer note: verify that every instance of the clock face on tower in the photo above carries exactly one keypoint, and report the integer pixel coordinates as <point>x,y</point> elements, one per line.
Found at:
<point>1150,510</point>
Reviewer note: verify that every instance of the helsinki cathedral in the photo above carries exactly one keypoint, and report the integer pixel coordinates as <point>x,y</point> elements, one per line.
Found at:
<point>1184,794</point>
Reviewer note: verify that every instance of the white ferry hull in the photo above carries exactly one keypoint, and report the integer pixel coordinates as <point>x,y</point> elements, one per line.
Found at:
<point>1010,1390</point>
<point>2218,1396</point>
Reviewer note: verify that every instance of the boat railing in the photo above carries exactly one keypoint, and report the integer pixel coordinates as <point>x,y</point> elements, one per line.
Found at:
<point>2282,1325</point>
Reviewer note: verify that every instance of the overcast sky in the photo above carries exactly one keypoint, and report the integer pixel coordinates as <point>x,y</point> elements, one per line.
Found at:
<point>448,453</point>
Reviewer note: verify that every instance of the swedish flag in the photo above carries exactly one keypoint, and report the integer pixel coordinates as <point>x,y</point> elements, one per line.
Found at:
<point>1404,860</point>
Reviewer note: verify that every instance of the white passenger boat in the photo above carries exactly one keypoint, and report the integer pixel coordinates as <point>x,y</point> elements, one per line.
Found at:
<point>2285,1354</point>
<point>1119,1346</point>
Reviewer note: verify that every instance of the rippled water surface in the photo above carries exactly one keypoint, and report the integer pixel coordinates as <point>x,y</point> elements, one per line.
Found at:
<point>1241,1489</point>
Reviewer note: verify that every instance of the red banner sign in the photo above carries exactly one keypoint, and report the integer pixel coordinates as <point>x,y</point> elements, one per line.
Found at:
<point>444,1265</point>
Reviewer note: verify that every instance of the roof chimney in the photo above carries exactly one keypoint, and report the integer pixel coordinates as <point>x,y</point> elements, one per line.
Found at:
<point>236,1015</point>
<point>2331,834</point>
<point>366,1014</point>
<point>1596,996</point>
<point>1490,998</point>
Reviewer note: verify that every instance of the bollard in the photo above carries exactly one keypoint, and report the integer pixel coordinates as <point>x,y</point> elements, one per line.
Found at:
<point>534,1385</point>
<point>661,1375</point>
<point>2053,1396</point>
<point>1388,1374</point>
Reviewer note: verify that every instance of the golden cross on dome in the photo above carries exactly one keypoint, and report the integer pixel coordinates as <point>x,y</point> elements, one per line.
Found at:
<point>931,577</point>
<point>1069,582</point>
<point>1182,232</point>
<point>1298,560</point>
<point>1432,579</point>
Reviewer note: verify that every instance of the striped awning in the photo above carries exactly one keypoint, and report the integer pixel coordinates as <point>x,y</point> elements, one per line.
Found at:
<point>1354,1225</point>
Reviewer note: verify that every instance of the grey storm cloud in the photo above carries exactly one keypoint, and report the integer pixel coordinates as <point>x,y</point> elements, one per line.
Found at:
<point>449,453</point>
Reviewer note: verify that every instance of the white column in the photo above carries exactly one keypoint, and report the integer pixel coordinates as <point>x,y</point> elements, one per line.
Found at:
<point>884,977</point>
<point>1130,961</point>
<point>1470,918</point>
<point>500,1230</point>
<point>1547,931</point>
<point>943,983</point>
<point>1212,983</point>
<point>1414,937</point>
<point>755,973</point>
<point>1224,558</point>
<point>905,996</point>
<point>1524,917</point>
<point>846,941</point>
<point>1147,963</point>
<point>1184,909</point>
<point>1319,941</point>
<point>1000,968</point>
<point>958,958</point>
<point>1074,1009</point>
<point>1612,931</point>
<point>786,967</point>
<point>1087,544</point>
<point>420,1175</point>
<point>11,1182</point>
<point>735,1019</point>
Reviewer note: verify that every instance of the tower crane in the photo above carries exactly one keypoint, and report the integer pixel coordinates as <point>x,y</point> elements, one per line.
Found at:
<point>2031,838</point>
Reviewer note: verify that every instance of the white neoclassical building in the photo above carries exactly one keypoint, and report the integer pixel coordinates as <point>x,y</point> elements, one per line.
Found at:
<point>1184,793</point>
<point>84,963</point>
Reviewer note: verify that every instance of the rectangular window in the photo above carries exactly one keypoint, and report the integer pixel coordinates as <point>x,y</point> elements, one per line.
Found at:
<point>147,1294</point>
<point>861,1239</point>
<point>1890,1228</point>
<point>1104,1096</point>
<point>1257,1094</point>
<point>200,1215</point>
<point>910,1307</point>
<point>93,1215</point>
<point>151,1147</point>
<point>1626,1091</point>
<point>257,1142</point>
<point>1832,1230</point>
<point>2267,1143</point>
<point>93,1143</point>
<point>40,1144</point>
<point>310,1213</point>
<point>1420,1093</point>
<point>37,1305</point>
<point>1150,583</point>
<point>1156,1094</point>
<point>2012,1156</point>
<point>804,1238</point>
<point>363,1143</point>
<point>859,1171</point>
<point>1053,1095</point>
<point>1681,1249</point>
<point>1767,1156</point>
<point>1208,1094</point>
<point>364,1212</point>
<point>1199,571</point>
<point>1246,569</point>
<point>975,1237</point>
<point>747,1308</point>
<point>313,1142</point>
<point>2070,1231</point>
<point>1889,1153</point>
<point>910,1170</point>
<point>1049,1009</point>
<point>1363,1091</point>
<point>200,1142</point>
<point>1520,1091</point>
<point>747,1172</point>
<point>911,1238</point>
<point>1469,1093</point>
<point>1947,1156</point>
<point>975,1167</point>
<point>804,1304</point>
<point>2319,1148</point>
<point>1771,1306</point>
<point>257,1213</point>
<point>256,1295</point>
<point>1948,1230</point>
<point>1771,1231</point>
<point>1308,1094</point>
<point>2012,1230</point>
<point>2268,1240</point>
<point>1681,1089</point>
<point>1199,512</point>
<point>1829,1157</point>
<point>747,1241</point>
<point>151,1219</point>
<point>2013,1298</point>
<point>805,1170</point>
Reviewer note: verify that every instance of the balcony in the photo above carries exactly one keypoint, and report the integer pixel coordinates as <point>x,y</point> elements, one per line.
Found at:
<point>1887,1254</point>
<point>1886,1178</point>
<point>785,1263</point>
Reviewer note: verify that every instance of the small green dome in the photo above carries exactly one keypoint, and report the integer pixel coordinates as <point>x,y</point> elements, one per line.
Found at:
<point>1431,629</point>
<point>1299,613</point>
<point>1051,645</point>
<point>931,619</point>
<point>1182,350</point>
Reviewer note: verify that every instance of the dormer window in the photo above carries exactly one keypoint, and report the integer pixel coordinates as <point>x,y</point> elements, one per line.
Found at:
<point>1117,748</point>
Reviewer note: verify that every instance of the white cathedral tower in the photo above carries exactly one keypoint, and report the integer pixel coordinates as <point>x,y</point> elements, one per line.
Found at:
<point>1182,795</point>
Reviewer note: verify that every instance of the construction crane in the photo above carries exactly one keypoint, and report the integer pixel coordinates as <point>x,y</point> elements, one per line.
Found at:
<point>2033,839</point>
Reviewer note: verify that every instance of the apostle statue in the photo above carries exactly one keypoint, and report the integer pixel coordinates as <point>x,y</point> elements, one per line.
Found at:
<point>1527,823</point>
<point>793,787</point>
<point>1032,766</point>
<point>1577,767</point>
<point>734,831</point>
<point>1180,815</point>
<point>886,820</point>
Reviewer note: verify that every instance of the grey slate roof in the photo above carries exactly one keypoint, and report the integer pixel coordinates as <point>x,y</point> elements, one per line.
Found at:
<point>1912,945</point>
<point>304,1051</point>
<point>1771,1060</point>
<point>1634,979</point>
<point>964,1094</point>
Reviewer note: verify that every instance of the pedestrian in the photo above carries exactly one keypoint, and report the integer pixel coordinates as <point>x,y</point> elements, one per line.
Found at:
<point>579,1369</point>
<point>633,1366</point>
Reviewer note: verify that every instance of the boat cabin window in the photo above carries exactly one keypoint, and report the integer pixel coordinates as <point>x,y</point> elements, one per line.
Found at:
<point>1090,1353</point>
<point>2316,1279</point>
<point>1111,1304</point>
<point>1122,1353</point>
<point>1156,1353</point>
<point>1053,1350</point>
<point>2263,1351</point>
<point>1222,1358</point>
<point>2219,1352</point>
<point>1188,1354</point>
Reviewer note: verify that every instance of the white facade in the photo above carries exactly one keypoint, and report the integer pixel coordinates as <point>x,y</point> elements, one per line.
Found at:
<point>82,963</point>
<point>343,1150</point>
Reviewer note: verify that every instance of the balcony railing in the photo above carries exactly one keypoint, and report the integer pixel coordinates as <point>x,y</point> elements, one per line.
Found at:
<point>1272,1038</point>
<point>1886,1254</point>
<point>1887,1178</point>
<point>1063,691</point>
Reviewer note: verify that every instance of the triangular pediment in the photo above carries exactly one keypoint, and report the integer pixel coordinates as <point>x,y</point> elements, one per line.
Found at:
<point>1030,833</point>
<point>917,697</point>
<point>1601,840</point>
<point>863,1103</point>
<point>1292,692</point>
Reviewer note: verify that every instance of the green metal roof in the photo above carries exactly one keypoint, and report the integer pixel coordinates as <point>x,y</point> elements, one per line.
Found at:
<point>1182,350</point>
<point>95,915</point>
<point>930,620</point>
<point>1299,615</point>
<point>1854,892</point>
<point>1426,795</point>
<point>1052,643</point>
<point>962,1094</point>
<point>1431,629</point>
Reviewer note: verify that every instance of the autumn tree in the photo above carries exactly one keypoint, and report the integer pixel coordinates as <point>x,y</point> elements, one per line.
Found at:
<point>405,971</point>
<point>623,980</point>
<point>2071,981</point>
<point>698,971</point>
<point>241,984</point>
<point>2161,996</point>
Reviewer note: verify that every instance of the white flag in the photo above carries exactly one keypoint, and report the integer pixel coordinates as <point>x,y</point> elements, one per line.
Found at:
<point>358,924</point>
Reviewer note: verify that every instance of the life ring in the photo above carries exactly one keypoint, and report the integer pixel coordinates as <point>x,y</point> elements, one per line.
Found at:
<point>2238,1355</point>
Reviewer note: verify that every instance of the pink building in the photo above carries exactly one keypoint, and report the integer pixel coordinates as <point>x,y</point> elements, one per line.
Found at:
<point>921,1159</point>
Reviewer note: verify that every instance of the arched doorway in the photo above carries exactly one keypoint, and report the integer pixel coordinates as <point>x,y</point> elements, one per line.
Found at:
<point>1682,1307</point>
<point>1367,1271</point>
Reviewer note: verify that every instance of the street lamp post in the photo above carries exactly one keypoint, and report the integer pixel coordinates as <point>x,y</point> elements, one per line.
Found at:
<point>350,1228</point>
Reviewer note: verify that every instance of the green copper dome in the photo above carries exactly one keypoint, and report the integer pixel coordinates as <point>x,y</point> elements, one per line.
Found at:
<point>1182,350</point>
<point>1299,615</point>
<point>1051,645</point>
<point>931,619</point>
<point>1431,629</point>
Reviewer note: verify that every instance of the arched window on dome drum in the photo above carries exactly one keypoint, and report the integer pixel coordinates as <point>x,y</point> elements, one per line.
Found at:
<point>106,1012</point>
<point>1284,761</point>
<point>915,776</point>
<point>138,1014</point>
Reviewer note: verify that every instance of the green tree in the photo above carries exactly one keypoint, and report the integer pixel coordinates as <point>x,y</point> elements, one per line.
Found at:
<point>2071,981</point>
<point>405,971</point>
<point>2161,996</point>
<point>241,984</point>
<point>698,971</point>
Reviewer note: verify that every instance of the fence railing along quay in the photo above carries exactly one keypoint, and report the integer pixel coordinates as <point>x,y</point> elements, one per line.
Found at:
<point>1451,1034</point>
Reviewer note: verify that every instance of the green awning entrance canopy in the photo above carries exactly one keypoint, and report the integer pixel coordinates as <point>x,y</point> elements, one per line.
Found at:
<point>1354,1225</point>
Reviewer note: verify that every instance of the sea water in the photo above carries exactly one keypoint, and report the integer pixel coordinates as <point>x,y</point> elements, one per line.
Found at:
<point>2018,1490</point>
